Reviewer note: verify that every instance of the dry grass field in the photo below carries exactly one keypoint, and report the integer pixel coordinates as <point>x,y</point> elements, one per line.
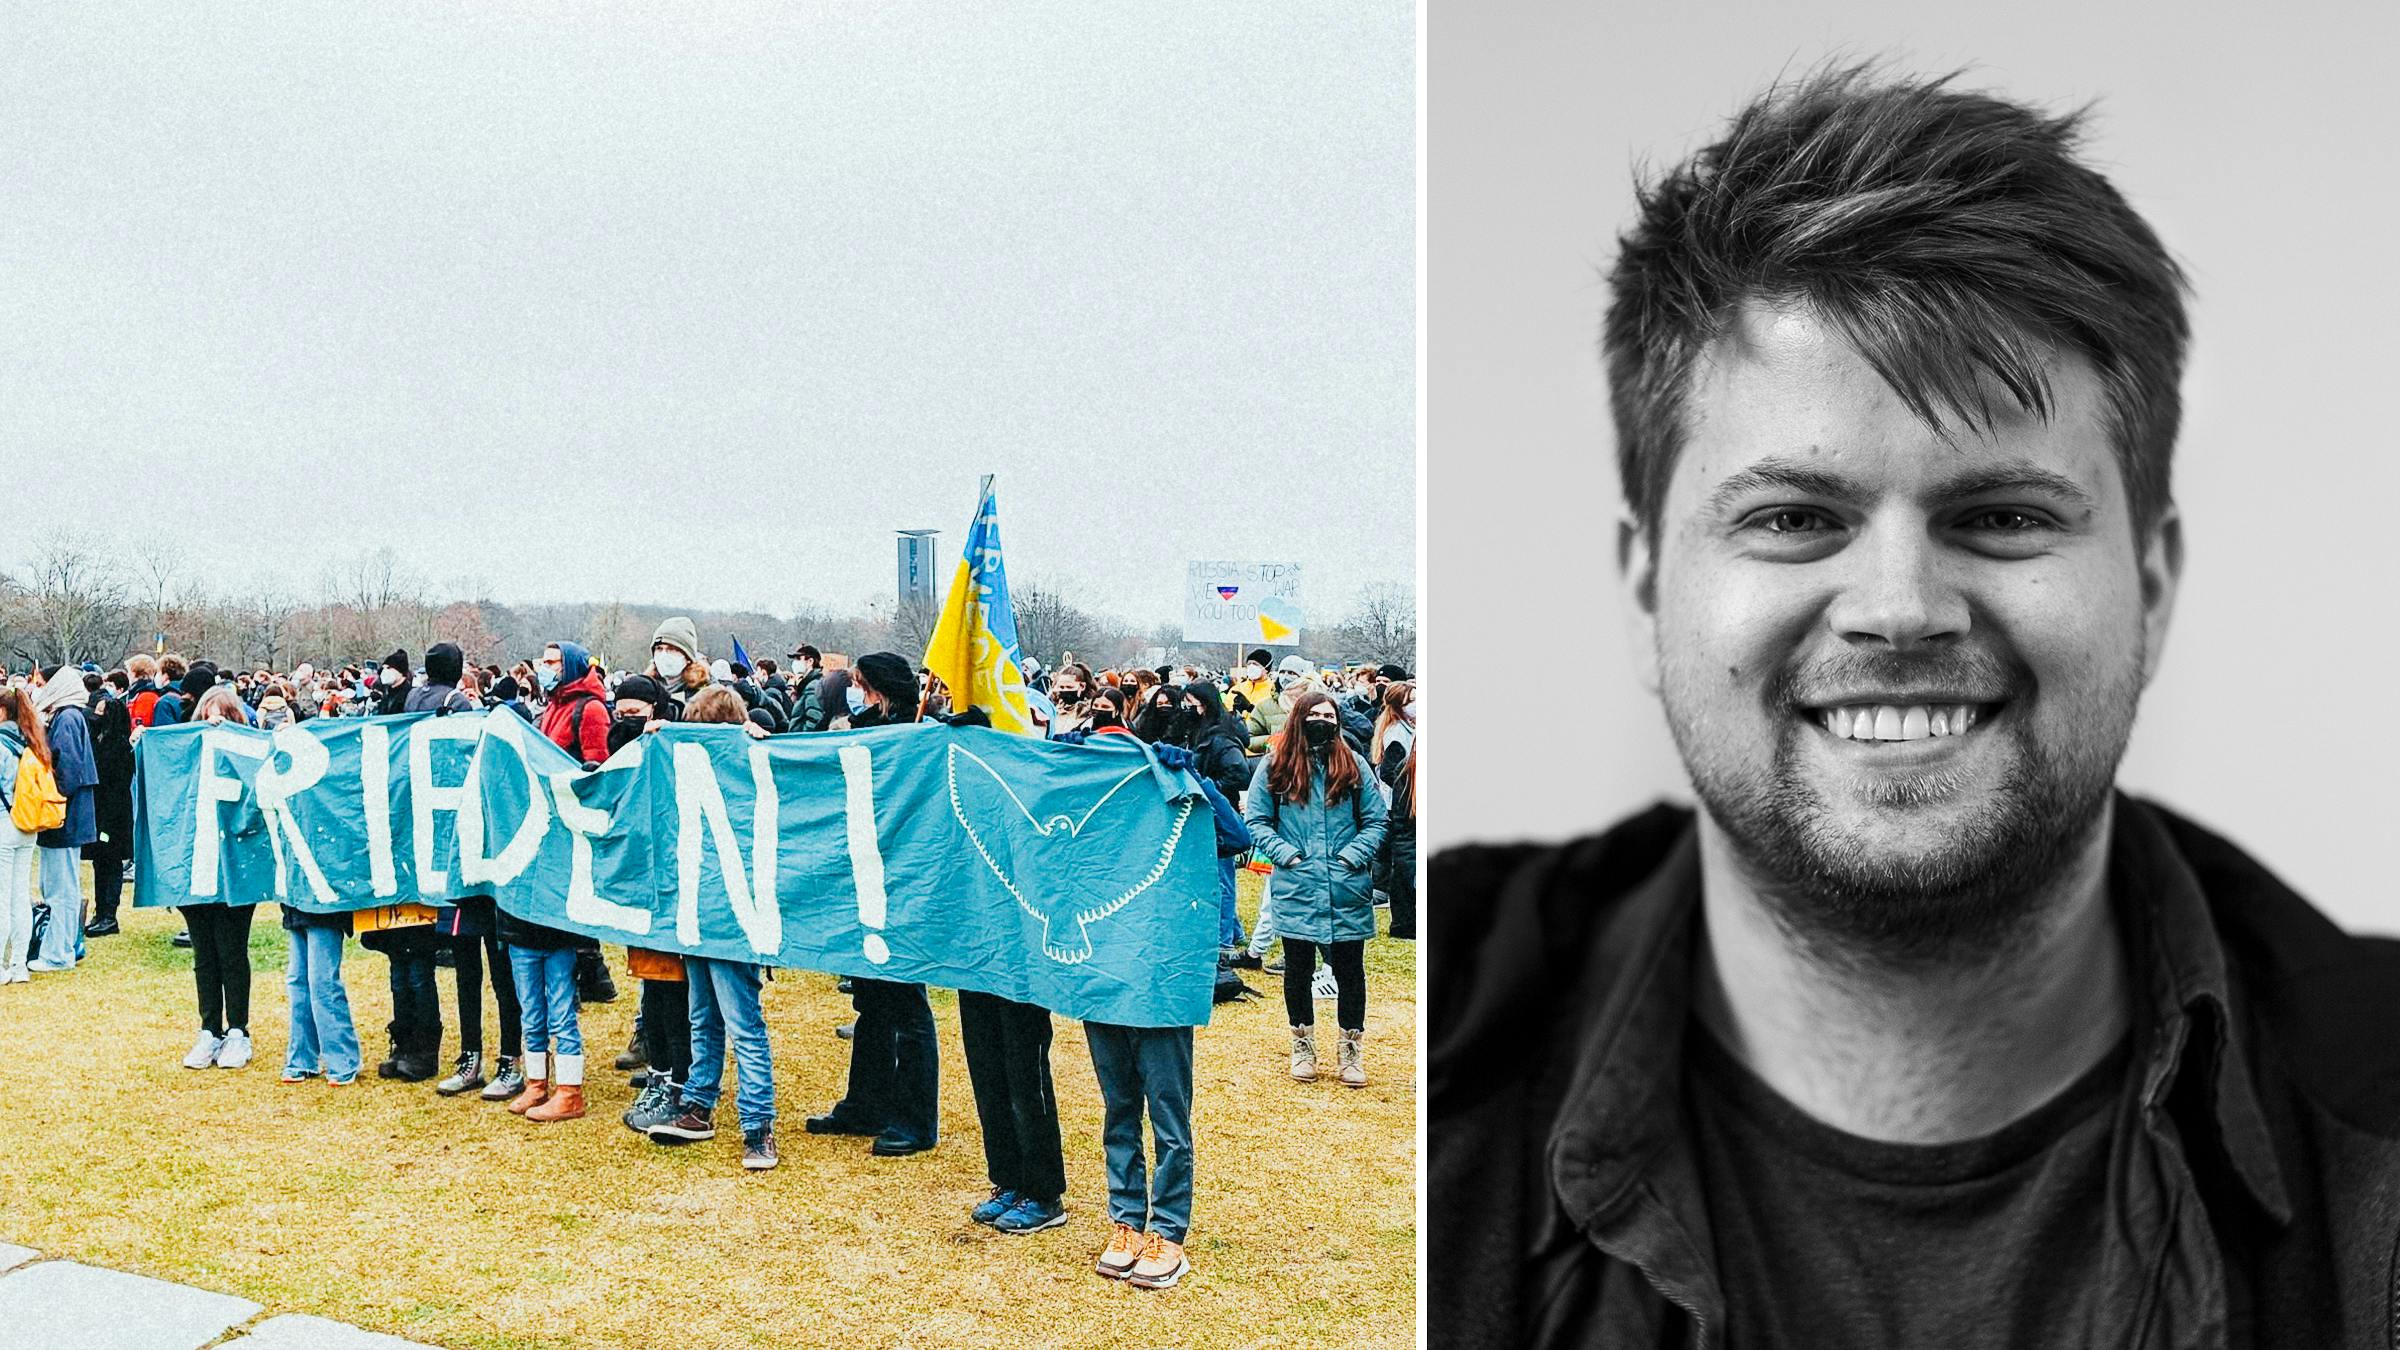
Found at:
<point>452,1222</point>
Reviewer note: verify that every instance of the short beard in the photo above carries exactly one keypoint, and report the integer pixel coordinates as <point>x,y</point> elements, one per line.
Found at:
<point>1978,898</point>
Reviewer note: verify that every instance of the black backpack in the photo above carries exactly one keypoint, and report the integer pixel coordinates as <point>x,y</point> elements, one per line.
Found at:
<point>1230,988</point>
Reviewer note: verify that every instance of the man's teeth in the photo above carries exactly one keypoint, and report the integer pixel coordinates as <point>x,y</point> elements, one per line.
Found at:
<point>1889,722</point>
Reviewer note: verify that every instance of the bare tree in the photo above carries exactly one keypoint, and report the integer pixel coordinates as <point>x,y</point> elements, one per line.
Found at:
<point>76,602</point>
<point>1381,626</point>
<point>1048,623</point>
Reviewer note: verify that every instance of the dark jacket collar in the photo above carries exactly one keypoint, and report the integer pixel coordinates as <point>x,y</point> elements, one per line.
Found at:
<point>1618,1160</point>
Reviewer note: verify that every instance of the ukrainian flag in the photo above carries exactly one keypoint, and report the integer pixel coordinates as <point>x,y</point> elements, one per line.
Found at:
<point>974,646</point>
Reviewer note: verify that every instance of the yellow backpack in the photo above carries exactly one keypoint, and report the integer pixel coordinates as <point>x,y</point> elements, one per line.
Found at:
<point>38,805</point>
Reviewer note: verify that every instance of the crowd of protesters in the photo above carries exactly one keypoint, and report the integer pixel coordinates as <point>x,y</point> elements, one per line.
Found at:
<point>1311,775</point>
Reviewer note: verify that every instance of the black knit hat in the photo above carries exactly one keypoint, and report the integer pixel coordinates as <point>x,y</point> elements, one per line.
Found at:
<point>889,674</point>
<point>398,660</point>
<point>641,689</point>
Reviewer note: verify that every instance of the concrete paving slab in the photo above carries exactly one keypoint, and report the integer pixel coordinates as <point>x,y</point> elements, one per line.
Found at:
<point>64,1305</point>
<point>12,1257</point>
<point>299,1331</point>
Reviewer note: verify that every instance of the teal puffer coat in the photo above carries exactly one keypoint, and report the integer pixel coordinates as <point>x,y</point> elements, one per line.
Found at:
<point>1324,856</point>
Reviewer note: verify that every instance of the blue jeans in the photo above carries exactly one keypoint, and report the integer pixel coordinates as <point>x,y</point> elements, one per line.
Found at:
<point>1229,914</point>
<point>62,890</point>
<point>724,1001</point>
<point>323,1036</point>
<point>546,998</point>
<point>1262,933</point>
<point>1146,1067</point>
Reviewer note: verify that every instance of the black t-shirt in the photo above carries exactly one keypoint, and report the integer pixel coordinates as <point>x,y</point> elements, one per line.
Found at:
<point>1826,1239</point>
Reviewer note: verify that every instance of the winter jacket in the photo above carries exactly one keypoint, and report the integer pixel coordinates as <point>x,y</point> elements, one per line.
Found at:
<point>1398,866</point>
<point>1324,855</point>
<point>1233,835</point>
<point>576,718</point>
<point>112,752</point>
<point>437,698</point>
<point>1219,749</point>
<point>12,746</point>
<point>2254,1185</point>
<point>78,777</point>
<point>1265,718</point>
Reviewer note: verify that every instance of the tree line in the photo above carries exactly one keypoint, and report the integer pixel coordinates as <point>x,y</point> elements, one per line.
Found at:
<point>80,600</point>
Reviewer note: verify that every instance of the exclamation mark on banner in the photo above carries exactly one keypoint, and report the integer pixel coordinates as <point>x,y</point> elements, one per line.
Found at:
<point>866,855</point>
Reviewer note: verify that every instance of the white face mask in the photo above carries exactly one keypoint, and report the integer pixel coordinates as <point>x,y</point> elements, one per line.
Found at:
<point>1409,710</point>
<point>388,677</point>
<point>1252,671</point>
<point>670,664</point>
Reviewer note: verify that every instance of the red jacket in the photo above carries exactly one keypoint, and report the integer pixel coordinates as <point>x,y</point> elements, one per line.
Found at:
<point>576,718</point>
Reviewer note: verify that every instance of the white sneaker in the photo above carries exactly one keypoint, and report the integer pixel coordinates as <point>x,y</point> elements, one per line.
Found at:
<point>204,1050</point>
<point>235,1052</point>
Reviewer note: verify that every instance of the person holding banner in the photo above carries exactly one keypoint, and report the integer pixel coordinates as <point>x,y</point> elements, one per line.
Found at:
<point>723,1004</point>
<point>221,941</point>
<point>541,958</point>
<point>1319,820</point>
<point>895,1070</point>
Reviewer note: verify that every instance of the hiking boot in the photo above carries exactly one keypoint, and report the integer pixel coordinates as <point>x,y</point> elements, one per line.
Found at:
<point>658,1104</point>
<point>466,1077</point>
<point>101,928</point>
<point>1002,1201</point>
<point>634,1057</point>
<point>1031,1216</point>
<point>1162,1263</point>
<point>692,1127</point>
<point>565,1103</point>
<point>1123,1249</point>
<point>414,1067</point>
<point>235,1052</point>
<point>758,1148</point>
<point>507,1081</point>
<point>204,1050</point>
<point>1353,1057</point>
<point>1304,1054</point>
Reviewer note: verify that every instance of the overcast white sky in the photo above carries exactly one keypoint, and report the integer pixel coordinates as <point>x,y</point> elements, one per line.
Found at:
<point>628,305</point>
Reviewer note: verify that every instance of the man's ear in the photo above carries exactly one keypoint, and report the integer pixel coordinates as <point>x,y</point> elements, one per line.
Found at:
<point>1637,573</point>
<point>2161,564</point>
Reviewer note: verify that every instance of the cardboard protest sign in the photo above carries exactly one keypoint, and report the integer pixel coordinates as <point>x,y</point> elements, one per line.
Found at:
<point>1079,878</point>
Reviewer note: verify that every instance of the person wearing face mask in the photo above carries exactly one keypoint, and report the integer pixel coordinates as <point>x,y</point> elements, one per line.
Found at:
<point>1251,682</point>
<point>1315,812</point>
<point>895,1069</point>
<point>662,1029</point>
<point>62,701</point>
<point>1070,693</point>
<point>1161,714</point>
<point>1395,761</point>
<point>221,941</point>
<point>391,685</point>
<point>810,712</point>
<point>675,658</point>
<point>1214,738</point>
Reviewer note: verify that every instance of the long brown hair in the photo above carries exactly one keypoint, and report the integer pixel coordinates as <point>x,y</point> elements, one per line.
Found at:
<point>1395,703</point>
<point>17,706</point>
<point>1288,770</point>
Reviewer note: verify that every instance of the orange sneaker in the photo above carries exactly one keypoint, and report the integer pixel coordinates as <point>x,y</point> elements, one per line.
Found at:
<point>1162,1263</point>
<point>1124,1248</point>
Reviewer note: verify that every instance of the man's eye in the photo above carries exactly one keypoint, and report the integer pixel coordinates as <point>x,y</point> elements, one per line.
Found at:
<point>2006,521</point>
<point>1792,520</point>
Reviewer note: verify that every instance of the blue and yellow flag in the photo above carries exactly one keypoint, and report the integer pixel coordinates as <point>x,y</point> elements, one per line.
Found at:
<point>974,646</point>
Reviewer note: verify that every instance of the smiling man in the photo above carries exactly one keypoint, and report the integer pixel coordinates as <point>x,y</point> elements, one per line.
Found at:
<point>1917,1032</point>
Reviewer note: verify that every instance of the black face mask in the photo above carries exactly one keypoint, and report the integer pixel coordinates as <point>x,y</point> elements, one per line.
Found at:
<point>1102,721</point>
<point>1319,734</point>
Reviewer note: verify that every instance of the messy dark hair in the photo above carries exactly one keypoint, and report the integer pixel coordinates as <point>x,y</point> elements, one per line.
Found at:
<point>1951,238</point>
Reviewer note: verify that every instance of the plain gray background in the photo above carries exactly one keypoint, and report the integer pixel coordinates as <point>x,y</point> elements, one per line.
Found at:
<point>2262,149</point>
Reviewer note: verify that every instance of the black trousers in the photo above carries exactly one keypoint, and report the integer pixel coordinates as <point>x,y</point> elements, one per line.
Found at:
<point>221,963</point>
<point>1008,1064</point>
<point>667,1027</point>
<point>467,956</point>
<point>416,995</point>
<point>1349,962</point>
<point>895,1070</point>
<point>1404,906</point>
<point>108,886</point>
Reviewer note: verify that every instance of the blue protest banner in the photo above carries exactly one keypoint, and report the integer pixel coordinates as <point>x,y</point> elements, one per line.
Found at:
<point>1080,878</point>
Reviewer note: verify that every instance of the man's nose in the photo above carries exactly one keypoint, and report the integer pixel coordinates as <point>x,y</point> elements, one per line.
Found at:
<point>1898,592</point>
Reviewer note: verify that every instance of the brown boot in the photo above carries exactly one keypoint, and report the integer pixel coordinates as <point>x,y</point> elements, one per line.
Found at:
<point>565,1103</point>
<point>537,1085</point>
<point>1304,1054</point>
<point>1354,1058</point>
<point>566,1091</point>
